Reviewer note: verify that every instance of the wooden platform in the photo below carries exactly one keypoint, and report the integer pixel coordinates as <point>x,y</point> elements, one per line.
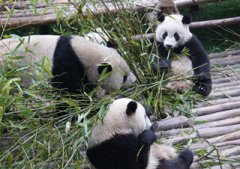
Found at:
<point>213,131</point>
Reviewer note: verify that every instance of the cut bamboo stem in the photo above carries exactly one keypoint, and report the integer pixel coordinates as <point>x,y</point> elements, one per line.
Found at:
<point>231,151</point>
<point>222,94</point>
<point>228,143</point>
<point>218,116</point>
<point>222,54</point>
<point>217,131</point>
<point>220,123</point>
<point>228,137</point>
<point>219,101</point>
<point>175,122</point>
<point>215,108</point>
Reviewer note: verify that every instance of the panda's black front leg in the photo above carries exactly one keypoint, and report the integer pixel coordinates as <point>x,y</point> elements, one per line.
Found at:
<point>183,161</point>
<point>202,84</point>
<point>201,67</point>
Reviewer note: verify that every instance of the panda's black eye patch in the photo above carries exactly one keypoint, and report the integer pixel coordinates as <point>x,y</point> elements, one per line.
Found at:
<point>125,78</point>
<point>176,36</point>
<point>164,35</point>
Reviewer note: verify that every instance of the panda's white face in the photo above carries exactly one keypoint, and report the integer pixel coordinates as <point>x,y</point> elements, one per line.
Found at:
<point>124,116</point>
<point>173,31</point>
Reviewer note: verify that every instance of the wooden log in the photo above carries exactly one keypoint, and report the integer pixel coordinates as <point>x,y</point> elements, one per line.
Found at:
<point>22,5</point>
<point>227,137</point>
<point>179,139</point>
<point>227,143</point>
<point>197,146</point>
<point>218,116</point>
<point>217,131</point>
<point>222,80</point>
<point>226,62</point>
<point>172,132</point>
<point>229,93</point>
<point>215,108</point>
<point>223,54</point>
<point>232,83</point>
<point>226,88</point>
<point>227,57</point>
<point>172,123</point>
<point>231,151</point>
<point>218,101</point>
<point>197,25</point>
<point>220,123</point>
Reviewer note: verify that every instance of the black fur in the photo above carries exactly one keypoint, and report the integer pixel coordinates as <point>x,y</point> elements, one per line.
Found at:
<point>104,66</point>
<point>68,71</point>
<point>131,108</point>
<point>186,20</point>
<point>131,152</point>
<point>200,62</point>
<point>183,161</point>
<point>121,152</point>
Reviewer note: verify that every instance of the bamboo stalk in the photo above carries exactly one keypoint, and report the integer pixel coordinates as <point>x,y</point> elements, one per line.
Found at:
<point>229,93</point>
<point>172,132</point>
<point>227,143</point>
<point>179,139</point>
<point>175,122</point>
<point>231,83</point>
<point>219,101</point>
<point>220,123</point>
<point>226,88</point>
<point>200,24</point>
<point>222,54</point>
<point>215,108</point>
<point>222,80</point>
<point>227,137</point>
<point>226,62</point>
<point>217,131</point>
<point>231,151</point>
<point>218,116</point>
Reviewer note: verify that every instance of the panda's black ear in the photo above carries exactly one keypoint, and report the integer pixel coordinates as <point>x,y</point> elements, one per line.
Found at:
<point>186,20</point>
<point>131,108</point>
<point>161,17</point>
<point>104,67</point>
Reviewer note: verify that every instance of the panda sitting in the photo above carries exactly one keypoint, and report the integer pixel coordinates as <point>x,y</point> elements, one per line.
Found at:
<point>173,34</point>
<point>124,140</point>
<point>77,64</point>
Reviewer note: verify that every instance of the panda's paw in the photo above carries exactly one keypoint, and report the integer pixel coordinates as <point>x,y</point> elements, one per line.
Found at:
<point>147,137</point>
<point>186,158</point>
<point>180,86</point>
<point>203,89</point>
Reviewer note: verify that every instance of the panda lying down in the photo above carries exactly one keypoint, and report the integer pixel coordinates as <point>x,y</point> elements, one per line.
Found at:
<point>76,62</point>
<point>173,34</point>
<point>124,139</point>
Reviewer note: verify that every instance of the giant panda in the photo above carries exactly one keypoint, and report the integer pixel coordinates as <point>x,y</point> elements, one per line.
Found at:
<point>76,62</point>
<point>173,34</point>
<point>124,139</point>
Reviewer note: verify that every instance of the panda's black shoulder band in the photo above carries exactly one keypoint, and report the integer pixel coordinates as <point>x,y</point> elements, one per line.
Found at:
<point>131,107</point>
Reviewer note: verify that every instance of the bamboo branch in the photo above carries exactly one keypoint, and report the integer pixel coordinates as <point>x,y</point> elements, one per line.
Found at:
<point>222,54</point>
<point>222,94</point>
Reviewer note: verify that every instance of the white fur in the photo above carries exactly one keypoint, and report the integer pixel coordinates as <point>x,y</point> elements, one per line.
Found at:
<point>116,121</point>
<point>99,36</point>
<point>181,67</point>
<point>90,54</point>
<point>172,24</point>
<point>159,152</point>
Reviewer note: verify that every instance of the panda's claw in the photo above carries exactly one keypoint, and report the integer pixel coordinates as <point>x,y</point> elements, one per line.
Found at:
<point>202,89</point>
